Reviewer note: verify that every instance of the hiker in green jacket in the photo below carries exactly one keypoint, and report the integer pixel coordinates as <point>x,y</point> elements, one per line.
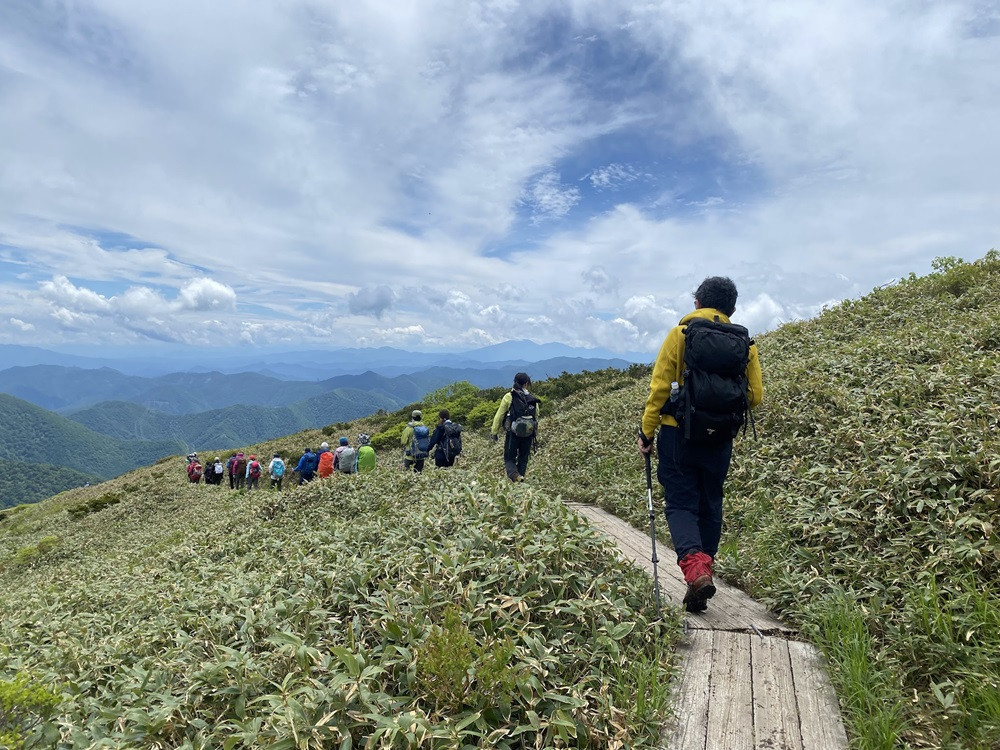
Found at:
<point>517,415</point>
<point>416,440</point>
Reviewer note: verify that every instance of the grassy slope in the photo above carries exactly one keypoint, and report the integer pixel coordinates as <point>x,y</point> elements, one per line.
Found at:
<point>867,509</point>
<point>343,609</point>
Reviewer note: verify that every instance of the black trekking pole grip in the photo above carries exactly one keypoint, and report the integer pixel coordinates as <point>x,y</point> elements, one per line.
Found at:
<point>652,529</point>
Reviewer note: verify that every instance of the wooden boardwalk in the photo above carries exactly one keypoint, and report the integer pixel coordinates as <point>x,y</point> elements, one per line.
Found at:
<point>746,681</point>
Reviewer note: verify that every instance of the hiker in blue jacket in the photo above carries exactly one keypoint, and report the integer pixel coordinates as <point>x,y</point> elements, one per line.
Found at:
<point>307,466</point>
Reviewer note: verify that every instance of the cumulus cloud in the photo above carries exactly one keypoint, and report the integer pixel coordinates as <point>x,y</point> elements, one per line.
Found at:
<point>599,280</point>
<point>138,309</point>
<point>206,294</point>
<point>63,293</point>
<point>648,315</point>
<point>372,300</point>
<point>21,325</point>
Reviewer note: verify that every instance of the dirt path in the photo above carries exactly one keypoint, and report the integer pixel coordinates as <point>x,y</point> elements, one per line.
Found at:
<point>747,681</point>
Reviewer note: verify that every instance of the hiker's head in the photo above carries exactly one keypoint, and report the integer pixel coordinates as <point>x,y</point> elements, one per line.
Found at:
<point>444,415</point>
<point>253,457</point>
<point>416,414</point>
<point>344,441</point>
<point>324,445</point>
<point>718,292</point>
<point>363,439</point>
<point>277,455</point>
<point>521,380</point>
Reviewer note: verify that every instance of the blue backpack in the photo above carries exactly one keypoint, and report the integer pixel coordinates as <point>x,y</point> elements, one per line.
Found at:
<point>421,445</point>
<point>279,468</point>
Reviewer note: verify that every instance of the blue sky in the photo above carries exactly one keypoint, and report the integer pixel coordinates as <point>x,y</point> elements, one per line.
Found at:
<point>447,175</point>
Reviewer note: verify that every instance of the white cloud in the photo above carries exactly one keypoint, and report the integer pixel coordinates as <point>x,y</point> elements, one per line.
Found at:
<point>548,198</point>
<point>444,163</point>
<point>613,176</point>
<point>206,294</point>
<point>62,292</point>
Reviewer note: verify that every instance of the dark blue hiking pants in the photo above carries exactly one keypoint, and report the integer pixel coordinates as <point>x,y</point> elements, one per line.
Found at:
<point>692,477</point>
<point>515,454</point>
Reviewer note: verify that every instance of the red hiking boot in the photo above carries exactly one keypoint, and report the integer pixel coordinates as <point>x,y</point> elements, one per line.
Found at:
<point>697,569</point>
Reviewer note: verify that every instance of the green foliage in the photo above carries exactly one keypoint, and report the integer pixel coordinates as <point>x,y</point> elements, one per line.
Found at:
<point>481,415</point>
<point>25,708</point>
<point>325,616</point>
<point>866,510</point>
<point>94,504</point>
<point>456,672</point>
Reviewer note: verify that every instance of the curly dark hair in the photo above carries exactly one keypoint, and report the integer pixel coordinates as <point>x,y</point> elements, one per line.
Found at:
<point>718,292</point>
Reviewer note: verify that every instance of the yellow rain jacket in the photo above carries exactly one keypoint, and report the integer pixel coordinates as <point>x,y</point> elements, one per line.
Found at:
<point>670,367</point>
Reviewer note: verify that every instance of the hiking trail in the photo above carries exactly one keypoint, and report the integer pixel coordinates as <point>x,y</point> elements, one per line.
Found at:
<point>746,680</point>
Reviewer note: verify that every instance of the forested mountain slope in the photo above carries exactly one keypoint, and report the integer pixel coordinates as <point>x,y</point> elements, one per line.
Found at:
<point>29,482</point>
<point>233,426</point>
<point>30,434</point>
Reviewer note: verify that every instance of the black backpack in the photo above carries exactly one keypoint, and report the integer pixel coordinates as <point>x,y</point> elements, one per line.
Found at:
<point>712,405</point>
<point>451,441</point>
<point>522,417</point>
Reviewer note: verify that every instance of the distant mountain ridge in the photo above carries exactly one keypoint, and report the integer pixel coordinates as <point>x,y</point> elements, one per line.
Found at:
<point>70,389</point>
<point>313,364</point>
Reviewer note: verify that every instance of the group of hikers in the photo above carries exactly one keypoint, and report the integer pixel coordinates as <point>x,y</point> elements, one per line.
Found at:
<point>516,416</point>
<point>245,472</point>
<point>344,459</point>
<point>705,382</point>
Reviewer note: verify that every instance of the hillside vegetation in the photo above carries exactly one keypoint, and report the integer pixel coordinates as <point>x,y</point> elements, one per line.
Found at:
<point>448,609</point>
<point>867,508</point>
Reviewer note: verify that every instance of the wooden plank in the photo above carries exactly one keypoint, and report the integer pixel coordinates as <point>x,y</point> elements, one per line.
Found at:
<point>688,726</point>
<point>730,609</point>
<point>775,711</point>
<point>730,699</point>
<point>819,711</point>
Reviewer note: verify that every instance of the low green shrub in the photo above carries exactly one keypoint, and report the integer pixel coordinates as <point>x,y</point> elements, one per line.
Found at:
<point>25,708</point>
<point>94,505</point>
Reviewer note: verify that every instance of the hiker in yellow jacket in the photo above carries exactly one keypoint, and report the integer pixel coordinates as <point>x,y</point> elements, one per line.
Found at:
<point>517,415</point>
<point>693,471</point>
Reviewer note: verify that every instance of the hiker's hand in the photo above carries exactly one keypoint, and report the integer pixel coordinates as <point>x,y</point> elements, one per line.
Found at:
<point>644,444</point>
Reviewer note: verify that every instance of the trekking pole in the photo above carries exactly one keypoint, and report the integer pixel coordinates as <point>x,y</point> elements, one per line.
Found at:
<point>652,529</point>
